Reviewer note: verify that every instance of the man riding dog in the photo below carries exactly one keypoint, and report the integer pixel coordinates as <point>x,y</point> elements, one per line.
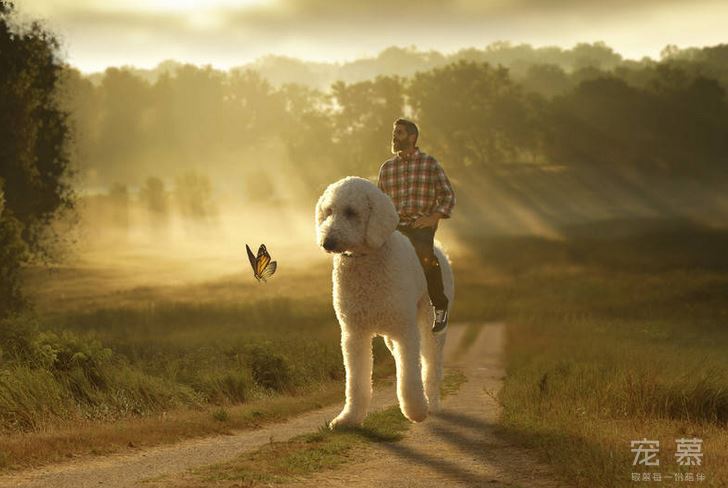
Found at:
<point>422,195</point>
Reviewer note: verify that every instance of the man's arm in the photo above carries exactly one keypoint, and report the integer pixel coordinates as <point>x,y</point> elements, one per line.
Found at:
<point>444,195</point>
<point>381,177</point>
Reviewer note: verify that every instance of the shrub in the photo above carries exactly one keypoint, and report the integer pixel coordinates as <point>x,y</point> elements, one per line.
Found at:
<point>221,387</point>
<point>270,369</point>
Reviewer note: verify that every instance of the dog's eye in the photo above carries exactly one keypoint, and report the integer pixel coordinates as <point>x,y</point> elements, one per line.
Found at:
<point>349,213</point>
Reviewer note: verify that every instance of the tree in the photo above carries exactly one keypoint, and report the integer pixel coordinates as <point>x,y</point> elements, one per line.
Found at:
<point>124,101</point>
<point>156,200</point>
<point>363,123</point>
<point>597,55</point>
<point>548,80</point>
<point>34,160</point>
<point>154,196</point>
<point>253,109</point>
<point>677,124</point>
<point>473,113</point>
<point>120,202</point>
<point>79,98</point>
<point>193,192</point>
<point>306,129</point>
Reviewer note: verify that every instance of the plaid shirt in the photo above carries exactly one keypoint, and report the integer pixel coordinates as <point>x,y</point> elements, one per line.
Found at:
<point>417,185</point>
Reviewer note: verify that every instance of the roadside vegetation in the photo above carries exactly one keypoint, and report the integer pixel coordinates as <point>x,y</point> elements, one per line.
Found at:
<point>612,339</point>
<point>100,365</point>
<point>324,449</point>
<point>154,371</point>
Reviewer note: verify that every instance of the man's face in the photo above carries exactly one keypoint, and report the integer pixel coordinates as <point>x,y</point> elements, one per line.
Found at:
<point>401,141</point>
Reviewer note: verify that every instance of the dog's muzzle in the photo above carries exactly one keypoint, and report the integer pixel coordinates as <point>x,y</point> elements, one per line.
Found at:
<point>330,244</point>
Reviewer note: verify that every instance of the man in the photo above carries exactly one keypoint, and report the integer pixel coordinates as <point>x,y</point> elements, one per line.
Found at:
<point>422,194</point>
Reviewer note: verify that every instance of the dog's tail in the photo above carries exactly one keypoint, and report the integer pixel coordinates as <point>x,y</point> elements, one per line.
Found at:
<point>448,280</point>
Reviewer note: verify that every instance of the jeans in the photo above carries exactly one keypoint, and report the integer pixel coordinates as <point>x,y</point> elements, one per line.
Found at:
<point>423,241</point>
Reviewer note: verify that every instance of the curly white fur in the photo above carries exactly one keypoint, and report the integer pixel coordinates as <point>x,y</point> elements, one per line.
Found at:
<point>380,289</point>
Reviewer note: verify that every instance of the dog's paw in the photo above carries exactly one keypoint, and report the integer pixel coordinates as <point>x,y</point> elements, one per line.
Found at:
<point>344,420</point>
<point>415,411</point>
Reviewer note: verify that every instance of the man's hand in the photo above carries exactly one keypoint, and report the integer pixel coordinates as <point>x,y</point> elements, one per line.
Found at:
<point>427,221</point>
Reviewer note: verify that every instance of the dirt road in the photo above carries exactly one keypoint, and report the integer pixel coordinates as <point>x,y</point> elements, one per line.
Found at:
<point>457,447</point>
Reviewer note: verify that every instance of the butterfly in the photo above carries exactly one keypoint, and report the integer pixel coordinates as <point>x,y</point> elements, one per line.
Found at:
<point>263,267</point>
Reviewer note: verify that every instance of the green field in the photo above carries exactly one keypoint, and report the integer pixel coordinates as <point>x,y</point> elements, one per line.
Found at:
<point>617,332</point>
<point>164,362</point>
<point>611,339</point>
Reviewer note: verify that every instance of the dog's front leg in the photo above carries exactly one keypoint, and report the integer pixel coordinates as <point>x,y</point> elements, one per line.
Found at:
<point>410,391</point>
<point>357,352</point>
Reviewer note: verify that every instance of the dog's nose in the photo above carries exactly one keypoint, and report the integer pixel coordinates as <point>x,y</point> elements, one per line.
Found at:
<point>329,244</point>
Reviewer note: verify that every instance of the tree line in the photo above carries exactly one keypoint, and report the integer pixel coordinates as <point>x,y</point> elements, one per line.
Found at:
<point>669,117</point>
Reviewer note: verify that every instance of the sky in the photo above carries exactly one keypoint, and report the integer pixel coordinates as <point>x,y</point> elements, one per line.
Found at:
<point>96,34</point>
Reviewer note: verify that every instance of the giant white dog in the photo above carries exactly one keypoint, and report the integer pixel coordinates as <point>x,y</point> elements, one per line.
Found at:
<point>380,289</point>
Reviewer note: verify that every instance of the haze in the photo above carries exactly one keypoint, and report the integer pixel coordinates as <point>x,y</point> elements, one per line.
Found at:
<point>226,33</point>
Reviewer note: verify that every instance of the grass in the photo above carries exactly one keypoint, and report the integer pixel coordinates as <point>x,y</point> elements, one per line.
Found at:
<point>611,339</point>
<point>615,333</point>
<point>324,449</point>
<point>305,454</point>
<point>451,382</point>
<point>112,363</point>
<point>147,366</point>
<point>76,438</point>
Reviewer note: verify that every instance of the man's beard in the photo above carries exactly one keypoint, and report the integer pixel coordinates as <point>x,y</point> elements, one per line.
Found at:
<point>398,146</point>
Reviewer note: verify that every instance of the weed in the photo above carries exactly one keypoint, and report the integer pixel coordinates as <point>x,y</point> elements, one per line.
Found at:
<point>221,415</point>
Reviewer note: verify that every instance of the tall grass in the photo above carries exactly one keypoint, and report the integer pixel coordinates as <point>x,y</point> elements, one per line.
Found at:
<point>611,339</point>
<point>125,360</point>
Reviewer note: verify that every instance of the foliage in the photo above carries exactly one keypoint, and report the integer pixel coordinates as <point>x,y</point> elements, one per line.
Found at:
<point>154,196</point>
<point>34,160</point>
<point>108,364</point>
<point>33,157</point>
<point>610,338</point>
<point>473,114</point>
<point>363,121</point>
<point>508,103</point>
<point>676,126</point>
<point>270,369</point>
<point>13,251</point>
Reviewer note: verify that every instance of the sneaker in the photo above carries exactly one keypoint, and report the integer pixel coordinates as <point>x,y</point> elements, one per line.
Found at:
<point>440,323</point>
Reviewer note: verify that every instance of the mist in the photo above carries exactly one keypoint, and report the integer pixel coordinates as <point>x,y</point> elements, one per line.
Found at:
<point>179,167</point>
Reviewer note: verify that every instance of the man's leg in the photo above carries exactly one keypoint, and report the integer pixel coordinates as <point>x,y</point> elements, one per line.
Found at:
<point>423,242</point>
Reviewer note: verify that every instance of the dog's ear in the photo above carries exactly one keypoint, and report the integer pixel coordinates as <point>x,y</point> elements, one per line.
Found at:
<point>319,212</point>
<point>383,218</point>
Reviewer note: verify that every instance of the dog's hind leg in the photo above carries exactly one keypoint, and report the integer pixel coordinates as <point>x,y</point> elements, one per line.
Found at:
<point>410,391</point>
<point>358,361</point>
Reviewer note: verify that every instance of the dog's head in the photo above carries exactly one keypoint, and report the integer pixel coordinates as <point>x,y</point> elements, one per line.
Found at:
<point>353,215</point>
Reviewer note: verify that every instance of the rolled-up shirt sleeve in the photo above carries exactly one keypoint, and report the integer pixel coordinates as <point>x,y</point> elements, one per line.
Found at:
<point>445,195</point>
